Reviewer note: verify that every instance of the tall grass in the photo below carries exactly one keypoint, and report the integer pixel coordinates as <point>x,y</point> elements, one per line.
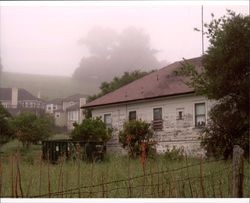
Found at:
<point>23,173</point>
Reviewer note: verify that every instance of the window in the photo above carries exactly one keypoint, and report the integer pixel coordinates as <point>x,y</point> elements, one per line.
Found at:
<point>180,112</point>
<point>157,114</point>
<point>132,115</point>
<point>58,115</point>
<point>49,107</point>
<point>200,115</point>
<point>54,107</point>
<point>108,120</point>
<point>180,115</point>
<point>157,119</point>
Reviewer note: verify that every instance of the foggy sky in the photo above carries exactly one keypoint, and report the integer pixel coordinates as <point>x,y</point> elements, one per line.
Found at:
<point>44,40</point>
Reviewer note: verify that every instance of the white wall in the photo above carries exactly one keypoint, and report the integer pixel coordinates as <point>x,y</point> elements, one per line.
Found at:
<point>180,133</point>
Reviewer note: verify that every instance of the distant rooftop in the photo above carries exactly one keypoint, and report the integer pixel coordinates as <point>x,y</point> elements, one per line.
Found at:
<point>75,97</point>
<point>6,94</point>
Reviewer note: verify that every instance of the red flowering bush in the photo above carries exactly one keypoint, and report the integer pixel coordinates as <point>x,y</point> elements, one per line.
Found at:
<point>135,133</point>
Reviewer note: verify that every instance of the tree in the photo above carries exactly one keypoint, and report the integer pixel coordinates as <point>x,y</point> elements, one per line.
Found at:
<point>6,132</point>
<point>113,53</point>
<point>91,129</point>
<point>225,78</point>
<point>118,82</point>
<point>30,128</point>
<point>135,133</point>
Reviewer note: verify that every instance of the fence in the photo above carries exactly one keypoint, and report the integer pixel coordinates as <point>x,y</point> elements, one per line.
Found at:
<point>189,180</point>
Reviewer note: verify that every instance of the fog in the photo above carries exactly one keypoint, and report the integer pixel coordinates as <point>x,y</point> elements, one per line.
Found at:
<point>48,39</point>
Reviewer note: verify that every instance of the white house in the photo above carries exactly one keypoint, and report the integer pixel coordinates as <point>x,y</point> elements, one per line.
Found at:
<point>162,99</point>
<point>53,105</point>
<point>17,100</point>
<point>75,113</point>
<point>66,111</point>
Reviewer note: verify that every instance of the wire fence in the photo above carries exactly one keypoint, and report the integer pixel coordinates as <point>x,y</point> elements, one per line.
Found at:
<point>202,178</point>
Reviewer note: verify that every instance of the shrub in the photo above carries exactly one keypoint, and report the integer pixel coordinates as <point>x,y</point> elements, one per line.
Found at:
<point>6,131</point>
<point>132,136</point>
<point>174,153</point>
<point>91,129</point>
<point>30,128</point>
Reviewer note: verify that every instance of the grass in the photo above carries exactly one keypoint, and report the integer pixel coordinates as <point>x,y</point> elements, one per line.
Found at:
<point>50,87</point>
<point>38,177</point>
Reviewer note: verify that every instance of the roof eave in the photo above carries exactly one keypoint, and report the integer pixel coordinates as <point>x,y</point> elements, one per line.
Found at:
<point>128,101</point>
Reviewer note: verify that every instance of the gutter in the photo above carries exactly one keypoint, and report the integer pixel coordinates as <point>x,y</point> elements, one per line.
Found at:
<point>148,98</point>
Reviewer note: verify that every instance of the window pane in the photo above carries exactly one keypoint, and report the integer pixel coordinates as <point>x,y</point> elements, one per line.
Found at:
<point>132,115</point>
<point>200,109</point>
<point>200,115</point>
<point>158,114</point>
<point>107,120</point>
<point>200,120</point>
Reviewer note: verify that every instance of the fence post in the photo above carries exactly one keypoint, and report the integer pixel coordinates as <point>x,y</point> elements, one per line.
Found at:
<point>238,171</point>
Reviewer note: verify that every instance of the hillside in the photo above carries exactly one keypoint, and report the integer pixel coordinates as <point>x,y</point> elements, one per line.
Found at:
<point>50,87</point>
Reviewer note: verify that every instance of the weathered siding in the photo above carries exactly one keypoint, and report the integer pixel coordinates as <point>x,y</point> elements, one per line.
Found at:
<point>179,133</point>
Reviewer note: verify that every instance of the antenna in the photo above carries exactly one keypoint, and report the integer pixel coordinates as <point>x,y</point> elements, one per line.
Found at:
<point>202,33</point>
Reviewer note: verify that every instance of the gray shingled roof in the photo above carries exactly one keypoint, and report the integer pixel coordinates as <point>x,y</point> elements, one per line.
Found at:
<point>5,94</point>
<point>75,97</point>
<point>160,83</point>
<point>74,107</point>
<point>55,101</point>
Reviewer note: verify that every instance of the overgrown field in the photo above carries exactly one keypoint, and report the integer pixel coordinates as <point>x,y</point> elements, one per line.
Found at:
<point>117,176</point>
<point>50,87</point>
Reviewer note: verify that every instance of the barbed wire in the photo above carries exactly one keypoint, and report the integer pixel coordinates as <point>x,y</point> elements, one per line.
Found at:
<point>166,182</point>
<point>125,180</point>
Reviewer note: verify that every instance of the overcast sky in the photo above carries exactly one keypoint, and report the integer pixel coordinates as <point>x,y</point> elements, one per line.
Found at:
<point>43,39</point>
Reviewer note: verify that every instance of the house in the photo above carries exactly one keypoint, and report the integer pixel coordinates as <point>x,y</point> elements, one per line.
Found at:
<point>17,100</point>
<point>53,105</point>
<point>162,99</point>
<point>67,110</point>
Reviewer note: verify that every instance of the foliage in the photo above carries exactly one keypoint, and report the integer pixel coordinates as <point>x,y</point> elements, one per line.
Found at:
<point>6,131</point>
<point>225,78</point>
<point>91,129</point>
<point>174,154</point>
<point>118,82</point>
<point>134,133</point>
<point>112,53</point>
<point>30,128</point>
<point>225,131</point>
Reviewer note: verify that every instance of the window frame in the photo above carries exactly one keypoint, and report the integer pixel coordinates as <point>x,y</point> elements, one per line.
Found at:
<point>129,115</point>
<point>154,113</point>
<point>108,125</point>
<point>157,124</point>
<point>195,115</point>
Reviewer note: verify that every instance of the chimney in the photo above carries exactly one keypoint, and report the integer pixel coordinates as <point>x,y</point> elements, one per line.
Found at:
<point>82,101</point>
<point>14,97</point>
<point>39,95</point>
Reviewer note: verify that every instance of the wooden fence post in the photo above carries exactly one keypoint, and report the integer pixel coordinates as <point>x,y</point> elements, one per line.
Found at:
<point>238,171</point>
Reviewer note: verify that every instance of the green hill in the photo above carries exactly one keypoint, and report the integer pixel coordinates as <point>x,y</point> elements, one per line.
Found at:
<point>50,87</point>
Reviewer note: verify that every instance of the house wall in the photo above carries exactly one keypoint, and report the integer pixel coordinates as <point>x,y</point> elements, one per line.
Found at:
<point>67,104</point>
<point>73,116</point>
<point>50,108</point>
<point>60,119</point>
<point>179,133</point>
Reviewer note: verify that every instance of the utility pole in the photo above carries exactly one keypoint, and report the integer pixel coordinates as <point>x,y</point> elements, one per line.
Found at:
<point>202,33</point>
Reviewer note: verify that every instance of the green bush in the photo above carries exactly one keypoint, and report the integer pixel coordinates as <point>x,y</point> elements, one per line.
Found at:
<point>132,136</point>
<point>30,128</point>
<point>91,129</point>
<point>174,154</point>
